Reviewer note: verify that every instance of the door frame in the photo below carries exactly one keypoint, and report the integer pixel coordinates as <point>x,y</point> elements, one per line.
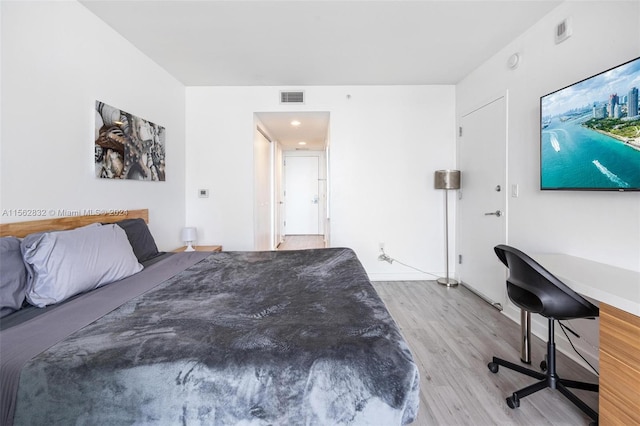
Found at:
<point>500,304</point>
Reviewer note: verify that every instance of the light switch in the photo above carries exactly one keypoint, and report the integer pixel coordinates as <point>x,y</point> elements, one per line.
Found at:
<point>514,190</point>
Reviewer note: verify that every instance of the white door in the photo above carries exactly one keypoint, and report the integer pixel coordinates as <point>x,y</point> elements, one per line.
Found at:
<point>302,210</point>
<point>482,207</point>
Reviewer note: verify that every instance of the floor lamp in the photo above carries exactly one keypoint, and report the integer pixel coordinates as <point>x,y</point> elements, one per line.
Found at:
<point>447,179</point>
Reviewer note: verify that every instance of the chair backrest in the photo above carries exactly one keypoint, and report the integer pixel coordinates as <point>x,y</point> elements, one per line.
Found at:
<point>531,287</point>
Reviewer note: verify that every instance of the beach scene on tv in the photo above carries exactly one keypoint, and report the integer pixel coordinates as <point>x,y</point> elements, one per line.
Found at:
<point>590,132</point>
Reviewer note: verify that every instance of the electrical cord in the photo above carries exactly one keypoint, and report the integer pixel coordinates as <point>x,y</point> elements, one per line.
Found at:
<point>562,327</point>
<point>387,258</point>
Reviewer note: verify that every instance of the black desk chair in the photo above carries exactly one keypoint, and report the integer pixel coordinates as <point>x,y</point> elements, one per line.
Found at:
<point>534,289</point>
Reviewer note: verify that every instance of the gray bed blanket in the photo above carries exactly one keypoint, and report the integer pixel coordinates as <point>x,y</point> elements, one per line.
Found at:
<point>31,330</point>
<point>251,338</point>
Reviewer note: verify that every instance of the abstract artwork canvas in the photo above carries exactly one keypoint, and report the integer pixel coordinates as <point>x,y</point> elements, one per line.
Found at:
<point>127,146</point>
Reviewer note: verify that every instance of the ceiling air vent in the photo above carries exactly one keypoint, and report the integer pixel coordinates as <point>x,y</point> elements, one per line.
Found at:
<point>564,30</point>
<point>291,97</point>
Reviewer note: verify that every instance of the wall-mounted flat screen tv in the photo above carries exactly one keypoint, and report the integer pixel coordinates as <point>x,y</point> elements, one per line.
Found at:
<point>590,133</point>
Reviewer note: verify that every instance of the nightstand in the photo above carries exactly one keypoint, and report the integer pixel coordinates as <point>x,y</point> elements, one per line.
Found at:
<point>199,248</point>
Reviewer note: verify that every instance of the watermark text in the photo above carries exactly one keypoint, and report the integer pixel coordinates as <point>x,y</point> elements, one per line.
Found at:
<point>62,212</point>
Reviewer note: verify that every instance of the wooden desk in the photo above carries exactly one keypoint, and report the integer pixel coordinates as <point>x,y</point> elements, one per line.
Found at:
<point>618,292</point>
<point>619,398</point>
<point>199,248</point>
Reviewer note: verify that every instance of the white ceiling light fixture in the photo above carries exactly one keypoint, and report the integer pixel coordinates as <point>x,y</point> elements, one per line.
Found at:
<point>302,143</point>
<point>295,123</point>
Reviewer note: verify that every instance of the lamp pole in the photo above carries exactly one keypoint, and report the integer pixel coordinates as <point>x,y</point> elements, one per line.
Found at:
<point>447,179</point>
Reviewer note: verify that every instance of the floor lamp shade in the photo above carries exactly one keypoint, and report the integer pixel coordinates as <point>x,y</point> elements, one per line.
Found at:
<point>447,179</point>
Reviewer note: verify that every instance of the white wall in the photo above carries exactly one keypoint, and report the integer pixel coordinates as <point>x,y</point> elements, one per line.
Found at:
<point>57,60</point>
<point>601,226</point>
<point>604,227</point>
<point>386,141</point>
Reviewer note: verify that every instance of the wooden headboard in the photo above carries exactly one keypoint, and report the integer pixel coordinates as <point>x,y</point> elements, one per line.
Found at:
<point>22,229</point>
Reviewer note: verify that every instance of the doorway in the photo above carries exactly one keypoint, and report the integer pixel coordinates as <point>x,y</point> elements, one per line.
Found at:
<point>482,219</point>
<point>300,204</point>
<point>305,199</point>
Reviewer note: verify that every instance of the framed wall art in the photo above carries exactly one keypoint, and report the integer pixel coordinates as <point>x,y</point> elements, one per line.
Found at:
<point>127,146</point>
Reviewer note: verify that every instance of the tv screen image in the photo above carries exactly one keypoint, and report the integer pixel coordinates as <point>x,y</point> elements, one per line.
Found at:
<point>590,133</point>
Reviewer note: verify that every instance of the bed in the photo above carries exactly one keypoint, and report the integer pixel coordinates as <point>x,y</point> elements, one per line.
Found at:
<point>252,338</point>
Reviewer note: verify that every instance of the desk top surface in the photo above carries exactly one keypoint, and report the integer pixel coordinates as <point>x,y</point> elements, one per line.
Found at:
<point>614,286</point>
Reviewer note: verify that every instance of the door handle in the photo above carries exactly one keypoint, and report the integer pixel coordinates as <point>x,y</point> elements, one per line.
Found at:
<point>496,213</point>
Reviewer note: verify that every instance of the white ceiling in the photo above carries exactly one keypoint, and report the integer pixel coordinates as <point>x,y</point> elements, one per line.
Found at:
<point>313,129</point>
<point>299,42</point>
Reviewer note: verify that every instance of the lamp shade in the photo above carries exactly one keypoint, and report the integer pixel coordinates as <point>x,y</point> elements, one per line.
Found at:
<point>189,234</point>
<point>447,179</point>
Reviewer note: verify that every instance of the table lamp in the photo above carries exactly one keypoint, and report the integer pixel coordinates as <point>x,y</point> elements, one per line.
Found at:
<point>189,235</point>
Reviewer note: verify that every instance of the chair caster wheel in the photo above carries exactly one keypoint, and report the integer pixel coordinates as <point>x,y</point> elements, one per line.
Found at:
<point>543,365</point>
<point>513,401</point>
<point>493,367</point>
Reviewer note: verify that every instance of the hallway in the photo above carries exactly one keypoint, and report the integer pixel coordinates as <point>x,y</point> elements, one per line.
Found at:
<point>300,242</point>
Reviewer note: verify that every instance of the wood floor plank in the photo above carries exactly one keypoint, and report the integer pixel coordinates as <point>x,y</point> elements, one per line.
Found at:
<point>453,334</point>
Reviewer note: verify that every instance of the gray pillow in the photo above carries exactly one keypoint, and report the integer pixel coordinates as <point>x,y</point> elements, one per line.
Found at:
<point>13,276</point>
<point>65,263</point>
<point>140,238</point>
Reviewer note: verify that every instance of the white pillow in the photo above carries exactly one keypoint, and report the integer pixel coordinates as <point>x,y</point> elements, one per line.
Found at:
<point>65,263</point>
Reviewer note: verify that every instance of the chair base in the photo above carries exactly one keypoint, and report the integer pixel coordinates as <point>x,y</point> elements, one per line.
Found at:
<point>548,380</point>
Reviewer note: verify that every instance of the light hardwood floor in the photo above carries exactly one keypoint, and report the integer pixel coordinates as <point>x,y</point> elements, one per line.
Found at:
<point>453,334</point>
<point>300,242</point>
